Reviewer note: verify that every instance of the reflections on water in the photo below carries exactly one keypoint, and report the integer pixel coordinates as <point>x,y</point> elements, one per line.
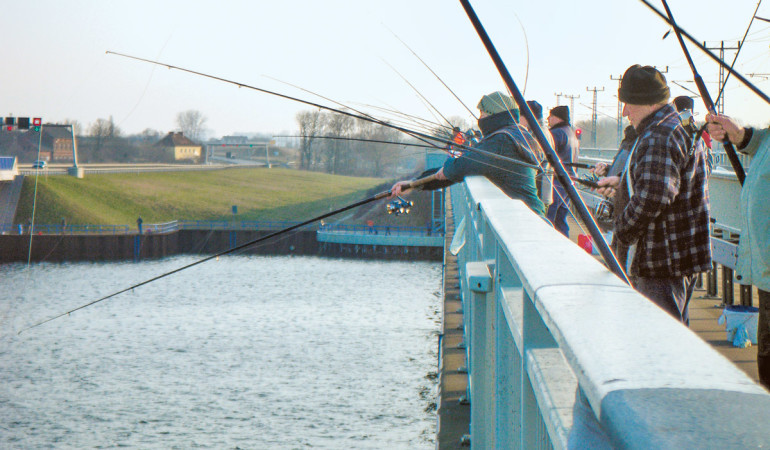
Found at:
<point>250,352</point>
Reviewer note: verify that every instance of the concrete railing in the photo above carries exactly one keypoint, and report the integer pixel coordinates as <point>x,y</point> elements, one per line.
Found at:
<point>562,354</point>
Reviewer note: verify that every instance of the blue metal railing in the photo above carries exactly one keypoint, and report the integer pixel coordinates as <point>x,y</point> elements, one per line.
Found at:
<point>63,229</point>
<point>562,354</point>
<point>378,230</point>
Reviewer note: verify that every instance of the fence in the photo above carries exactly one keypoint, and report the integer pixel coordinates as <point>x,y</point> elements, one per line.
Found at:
<point>562,354</point>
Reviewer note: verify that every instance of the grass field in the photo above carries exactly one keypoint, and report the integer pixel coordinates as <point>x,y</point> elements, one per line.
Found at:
<point>259,194</point>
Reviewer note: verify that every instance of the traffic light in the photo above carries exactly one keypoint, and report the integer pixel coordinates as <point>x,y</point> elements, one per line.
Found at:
<point>23,123</point>
<point>578,132</point>
<point>37,122</point>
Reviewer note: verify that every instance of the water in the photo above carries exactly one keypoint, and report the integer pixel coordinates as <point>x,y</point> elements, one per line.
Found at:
<point>241,352</point>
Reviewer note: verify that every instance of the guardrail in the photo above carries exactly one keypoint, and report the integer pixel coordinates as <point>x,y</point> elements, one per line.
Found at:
<point>237,224</point>
<point>562,354</point>
<point>63,229</point>
<point>378,229</point>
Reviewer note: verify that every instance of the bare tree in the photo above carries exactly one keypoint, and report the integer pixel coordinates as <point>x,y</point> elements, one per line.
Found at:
<point>103,130</point>
<point>76,126</point>
<point>338,152</point>
<point>309,127</point>
<point>192,124</point>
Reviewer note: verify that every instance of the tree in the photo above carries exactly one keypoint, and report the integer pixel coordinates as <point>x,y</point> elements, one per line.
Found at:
<point>192,124</point>
<point>102,130</point>
<point>309,127</point>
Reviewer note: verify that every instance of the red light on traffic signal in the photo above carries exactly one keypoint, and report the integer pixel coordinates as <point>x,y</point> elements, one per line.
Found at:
<point>578,132</point>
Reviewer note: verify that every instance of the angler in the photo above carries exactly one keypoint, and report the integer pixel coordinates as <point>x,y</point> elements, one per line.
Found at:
<point>504,136</point>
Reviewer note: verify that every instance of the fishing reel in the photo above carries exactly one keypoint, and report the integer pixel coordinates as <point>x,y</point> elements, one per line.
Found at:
<point>603,210</point>
<point>399,206</point>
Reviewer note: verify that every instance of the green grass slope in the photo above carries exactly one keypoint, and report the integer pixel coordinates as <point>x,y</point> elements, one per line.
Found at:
<point>260,194</point>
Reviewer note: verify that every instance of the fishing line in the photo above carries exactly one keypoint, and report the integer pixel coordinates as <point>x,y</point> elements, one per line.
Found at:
<point>438,77</point>
<point>34,199</point>
<point>381,195</point>
<point>418,92</point>
<point>743,41</point>
<point>428,125</point>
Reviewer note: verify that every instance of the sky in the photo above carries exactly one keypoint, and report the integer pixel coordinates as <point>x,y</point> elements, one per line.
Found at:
<point>55,65</point>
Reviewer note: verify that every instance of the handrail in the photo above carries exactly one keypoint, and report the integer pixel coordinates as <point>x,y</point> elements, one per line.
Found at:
<point>556,343</point>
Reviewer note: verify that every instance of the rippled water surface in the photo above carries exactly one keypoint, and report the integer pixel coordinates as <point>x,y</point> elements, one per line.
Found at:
<point>242,352</point>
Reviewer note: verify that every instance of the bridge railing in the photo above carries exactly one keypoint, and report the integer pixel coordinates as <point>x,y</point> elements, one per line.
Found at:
<point>562,354</point>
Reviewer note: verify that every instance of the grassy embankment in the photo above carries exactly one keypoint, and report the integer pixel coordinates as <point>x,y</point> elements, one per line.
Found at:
<point>260,194</point>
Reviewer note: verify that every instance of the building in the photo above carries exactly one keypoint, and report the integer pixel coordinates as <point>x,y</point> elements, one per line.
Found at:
<point>8,168</point>
<point>180,148</point>
<point>59,141</point>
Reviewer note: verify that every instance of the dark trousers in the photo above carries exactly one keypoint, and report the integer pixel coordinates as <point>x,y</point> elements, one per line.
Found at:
<point>763,339</point>
<point>558,210</point>
<point>670,293</point>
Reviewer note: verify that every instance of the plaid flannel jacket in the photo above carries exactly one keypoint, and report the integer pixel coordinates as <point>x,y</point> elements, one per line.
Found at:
<point>667,216</point>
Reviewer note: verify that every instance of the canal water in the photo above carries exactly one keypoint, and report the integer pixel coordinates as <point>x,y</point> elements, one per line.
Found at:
<point>240,352</point>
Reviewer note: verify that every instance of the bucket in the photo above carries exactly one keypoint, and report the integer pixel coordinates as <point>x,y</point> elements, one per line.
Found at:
<point>741,324</point>
<point>586,243</point>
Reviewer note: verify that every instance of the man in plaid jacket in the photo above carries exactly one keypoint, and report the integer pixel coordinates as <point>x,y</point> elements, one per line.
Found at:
<point>666,220</point>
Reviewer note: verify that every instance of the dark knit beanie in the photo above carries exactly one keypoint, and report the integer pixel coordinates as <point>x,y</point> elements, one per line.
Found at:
<point>684,102</point>
<point>562,112</point>
<point>643,85</point>
<point>537,109</point>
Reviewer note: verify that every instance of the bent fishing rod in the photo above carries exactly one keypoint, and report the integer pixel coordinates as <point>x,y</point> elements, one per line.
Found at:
<point>708,52</point>
<point>411,185</point>
<point>732,155</point>
<point>418,92</point>
<point>338,111</point>
<point>368,116</point>
<point>551,155</point>
<point>438,77</point>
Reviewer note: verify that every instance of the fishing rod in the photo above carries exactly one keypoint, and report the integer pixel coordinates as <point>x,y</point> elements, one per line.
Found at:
<point>339,111</point>
<point>412,119</point>
<point>371,118</point>
<point>418,93</point>
<point>438,77</point>
<point>732,155</point>
<point>376,141</point>
<point>412,185</point>
<point>708,52</point>
<point>743,41</point>
<point>551,155</point>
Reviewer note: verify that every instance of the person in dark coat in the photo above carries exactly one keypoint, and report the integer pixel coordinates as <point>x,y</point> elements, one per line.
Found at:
<point>567,147</point>
<point>498,121</point>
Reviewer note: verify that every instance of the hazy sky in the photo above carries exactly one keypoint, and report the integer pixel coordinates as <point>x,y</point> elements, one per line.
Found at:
<point>55,66</point>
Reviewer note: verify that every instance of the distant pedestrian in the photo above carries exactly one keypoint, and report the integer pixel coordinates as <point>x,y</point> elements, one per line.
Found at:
<point>139,224</point>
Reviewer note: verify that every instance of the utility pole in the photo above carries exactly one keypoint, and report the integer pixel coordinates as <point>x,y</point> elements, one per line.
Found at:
<point>593,113</point>
<point>558,98</point>
<point>620,110</point>
<point>721,106</point>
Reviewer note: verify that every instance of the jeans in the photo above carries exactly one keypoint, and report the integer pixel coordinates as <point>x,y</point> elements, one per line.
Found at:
<point>670,293</point>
